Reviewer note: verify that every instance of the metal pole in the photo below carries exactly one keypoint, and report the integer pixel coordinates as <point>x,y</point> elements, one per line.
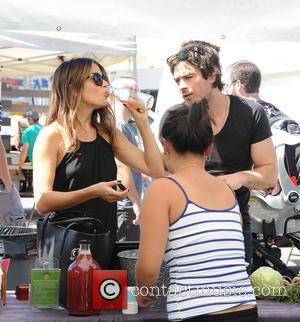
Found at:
<point>135,73</point>
<point>134,67</point>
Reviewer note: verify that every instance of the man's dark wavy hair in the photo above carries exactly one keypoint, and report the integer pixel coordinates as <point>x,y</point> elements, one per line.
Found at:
<point>203,55</point>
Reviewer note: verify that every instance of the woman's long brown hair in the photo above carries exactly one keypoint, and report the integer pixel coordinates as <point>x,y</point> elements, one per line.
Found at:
<point>65,99</point>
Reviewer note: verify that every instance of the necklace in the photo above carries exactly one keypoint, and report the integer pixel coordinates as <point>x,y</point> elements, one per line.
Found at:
<point>192,166</point>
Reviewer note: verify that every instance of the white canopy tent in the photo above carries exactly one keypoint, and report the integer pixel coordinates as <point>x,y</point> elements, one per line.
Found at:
<point>24,53</point>
<point>256,20</point>
<point>99,26</point>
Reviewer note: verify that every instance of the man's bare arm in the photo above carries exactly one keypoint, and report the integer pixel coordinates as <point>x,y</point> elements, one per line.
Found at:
<point>264,173</point>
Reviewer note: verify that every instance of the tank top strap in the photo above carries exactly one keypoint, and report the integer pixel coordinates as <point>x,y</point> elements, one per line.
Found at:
<point>101,138</point>
<point>179,185</point>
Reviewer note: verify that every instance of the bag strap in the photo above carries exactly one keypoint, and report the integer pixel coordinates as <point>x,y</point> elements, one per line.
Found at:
<point>50,218</point>
<point>67,230</point>
<point>64,237</point>
<point>78,220</point>
<point>30,216</point>
<point>45,221</point>
<point>70,216</point>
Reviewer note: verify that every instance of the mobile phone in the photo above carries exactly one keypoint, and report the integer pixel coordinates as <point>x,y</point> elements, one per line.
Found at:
<point>121,187</point>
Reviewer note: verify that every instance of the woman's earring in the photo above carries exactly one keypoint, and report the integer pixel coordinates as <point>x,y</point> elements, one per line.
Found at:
<point>167,155</point>
<point>98,118</point>
<point>207,158</point>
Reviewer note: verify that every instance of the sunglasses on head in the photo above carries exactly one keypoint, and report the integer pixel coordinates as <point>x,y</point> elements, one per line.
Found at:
<point>97,78</point>
<point>191,54</point>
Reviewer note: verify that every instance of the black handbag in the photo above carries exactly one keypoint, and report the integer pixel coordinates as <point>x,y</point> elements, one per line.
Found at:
<point>59,234</point>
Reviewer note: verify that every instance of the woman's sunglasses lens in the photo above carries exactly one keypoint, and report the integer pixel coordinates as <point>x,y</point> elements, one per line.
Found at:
<point>98,79</point>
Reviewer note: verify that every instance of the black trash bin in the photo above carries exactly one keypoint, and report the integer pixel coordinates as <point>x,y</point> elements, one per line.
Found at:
<point>20,245</point>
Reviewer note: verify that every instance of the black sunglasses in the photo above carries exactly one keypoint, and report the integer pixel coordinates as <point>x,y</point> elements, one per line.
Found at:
<point>97,78</point>
<point>191,54</point>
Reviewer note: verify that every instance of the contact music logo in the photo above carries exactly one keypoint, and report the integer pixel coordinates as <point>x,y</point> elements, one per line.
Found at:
<point>109,289</point>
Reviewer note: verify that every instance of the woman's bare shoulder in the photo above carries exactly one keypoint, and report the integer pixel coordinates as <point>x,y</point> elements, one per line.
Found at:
<point>50,137</point>
<point>162,185</point>
<point>51,131</point>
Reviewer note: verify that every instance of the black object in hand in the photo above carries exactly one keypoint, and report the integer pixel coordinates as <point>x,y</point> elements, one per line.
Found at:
<point>121,187</point>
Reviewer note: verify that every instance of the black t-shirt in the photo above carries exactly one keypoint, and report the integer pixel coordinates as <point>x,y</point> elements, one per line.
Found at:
<point>246,124</point>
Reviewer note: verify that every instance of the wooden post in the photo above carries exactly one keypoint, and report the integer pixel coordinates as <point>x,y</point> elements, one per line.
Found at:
<point>4,285</point>
<point>4,265</point>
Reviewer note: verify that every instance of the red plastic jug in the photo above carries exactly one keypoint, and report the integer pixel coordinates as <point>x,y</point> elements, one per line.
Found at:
<point>80,279</point>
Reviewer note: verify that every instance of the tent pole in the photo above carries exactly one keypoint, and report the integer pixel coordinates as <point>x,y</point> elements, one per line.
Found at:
<point>134,68</point>
<point>134,64</point>
<point>135,74</point>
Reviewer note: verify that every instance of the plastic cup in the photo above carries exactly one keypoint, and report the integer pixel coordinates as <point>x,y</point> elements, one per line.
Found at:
<point>127,94</point>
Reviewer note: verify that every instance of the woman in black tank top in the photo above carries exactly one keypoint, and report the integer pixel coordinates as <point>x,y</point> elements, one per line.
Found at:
<point>74,155</point>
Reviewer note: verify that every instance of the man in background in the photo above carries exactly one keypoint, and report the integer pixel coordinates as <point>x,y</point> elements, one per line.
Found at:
<point>29,136</point>
<point>28,139</point>
<point>244,79</point>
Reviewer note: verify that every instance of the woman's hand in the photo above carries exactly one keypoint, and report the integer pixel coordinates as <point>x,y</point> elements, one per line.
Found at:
<point>106,191</point>
<point>137,110</point>
<point>145,301</point>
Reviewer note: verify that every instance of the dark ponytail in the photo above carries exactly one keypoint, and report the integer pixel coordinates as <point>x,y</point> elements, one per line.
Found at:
<point>188,129</point>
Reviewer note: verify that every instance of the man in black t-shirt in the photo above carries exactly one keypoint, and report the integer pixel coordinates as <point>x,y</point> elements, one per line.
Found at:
<point>244,79</point>
<point>4,174</point>
<point>243,153</point>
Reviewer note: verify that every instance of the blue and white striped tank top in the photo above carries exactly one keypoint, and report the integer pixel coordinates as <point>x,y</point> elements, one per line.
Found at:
<point>205,255</point>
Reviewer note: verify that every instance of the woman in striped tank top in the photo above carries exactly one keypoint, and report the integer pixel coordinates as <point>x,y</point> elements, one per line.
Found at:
<point>191,220</point>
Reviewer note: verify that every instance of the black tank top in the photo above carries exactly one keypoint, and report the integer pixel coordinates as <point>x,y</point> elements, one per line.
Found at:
<point>94,162</point>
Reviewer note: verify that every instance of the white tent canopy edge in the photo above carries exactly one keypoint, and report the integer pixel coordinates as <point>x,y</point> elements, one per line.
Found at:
<point>39,53</point>
<point>273,20</point>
